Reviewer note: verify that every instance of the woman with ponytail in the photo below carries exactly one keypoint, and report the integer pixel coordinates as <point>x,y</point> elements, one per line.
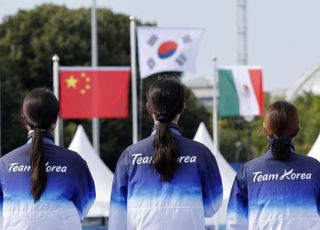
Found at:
<point>165,181</point>
<point>280,189</point>
<point>43,186</point>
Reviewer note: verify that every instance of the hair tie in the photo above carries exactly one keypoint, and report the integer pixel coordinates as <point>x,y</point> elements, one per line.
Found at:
<point>276,139</point>
<point>163,116</point>
<point>280,146</point>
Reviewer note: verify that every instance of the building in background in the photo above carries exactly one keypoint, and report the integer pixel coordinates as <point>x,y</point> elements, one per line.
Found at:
<point>202,88</point>
<point>309,82</point>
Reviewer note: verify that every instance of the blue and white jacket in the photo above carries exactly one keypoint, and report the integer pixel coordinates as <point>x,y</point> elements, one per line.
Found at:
<point>141,200</point>
<point>67,197</point>
<point>272,194</point>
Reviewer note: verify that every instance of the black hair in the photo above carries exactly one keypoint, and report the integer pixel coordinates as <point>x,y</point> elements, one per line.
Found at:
<point>166,100</point>
<point>39,111</point>
<point>281,124</point>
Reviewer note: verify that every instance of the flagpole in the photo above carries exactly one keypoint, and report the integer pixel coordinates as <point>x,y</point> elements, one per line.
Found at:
<point>215,105</point>
<point>94,63</point>
<point>140,113</point>
<point>215,120</point>
<point>134,80</point>
<point>55,60</point>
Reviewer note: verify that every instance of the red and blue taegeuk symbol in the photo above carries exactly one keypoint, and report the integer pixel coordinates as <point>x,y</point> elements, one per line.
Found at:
<point>167,49</point>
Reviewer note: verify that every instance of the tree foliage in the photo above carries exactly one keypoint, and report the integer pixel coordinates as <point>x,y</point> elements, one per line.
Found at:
<point>29,39</point>
<point>308,106</point>
<point>239,135</point>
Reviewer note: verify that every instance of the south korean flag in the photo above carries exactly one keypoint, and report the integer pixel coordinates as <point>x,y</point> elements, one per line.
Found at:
<point>167,49</point>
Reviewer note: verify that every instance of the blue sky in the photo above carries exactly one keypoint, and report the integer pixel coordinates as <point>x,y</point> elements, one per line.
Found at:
<point>282,35</point>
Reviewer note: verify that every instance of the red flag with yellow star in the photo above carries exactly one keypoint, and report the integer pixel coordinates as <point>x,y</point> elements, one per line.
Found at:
<point>99,92</point>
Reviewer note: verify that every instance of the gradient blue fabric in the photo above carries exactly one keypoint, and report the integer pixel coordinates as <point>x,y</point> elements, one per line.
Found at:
<point>141,200</point>
<point>67,197</point>
<point>274,194</point>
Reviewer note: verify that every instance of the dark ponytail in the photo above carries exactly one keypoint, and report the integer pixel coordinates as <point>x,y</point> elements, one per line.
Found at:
<point>166,100</point>
<point>281,124</point>
<point>39,175</point>
<point>165,154</point>
<point>40,109</point>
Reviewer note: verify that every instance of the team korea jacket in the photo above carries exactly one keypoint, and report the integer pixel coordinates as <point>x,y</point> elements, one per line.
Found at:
<point>67,197</point>
<point>141,200</point>
<point>276,195</point>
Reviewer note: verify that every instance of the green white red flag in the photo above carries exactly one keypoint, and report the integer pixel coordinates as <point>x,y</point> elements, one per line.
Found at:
<point>240,91</point>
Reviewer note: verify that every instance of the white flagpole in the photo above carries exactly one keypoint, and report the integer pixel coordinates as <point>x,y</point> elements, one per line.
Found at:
<point>94,63</point>
<point>134,80</point>
<point>215,105</point>
<point>215,121</point>
<point>55,60</point>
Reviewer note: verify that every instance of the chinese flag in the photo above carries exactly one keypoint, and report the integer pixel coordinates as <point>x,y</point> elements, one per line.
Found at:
<point>100,92</point>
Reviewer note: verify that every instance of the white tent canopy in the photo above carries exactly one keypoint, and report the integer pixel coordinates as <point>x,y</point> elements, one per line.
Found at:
<point>101,174</point>
<point>315,149</point>
<point>226,171</point>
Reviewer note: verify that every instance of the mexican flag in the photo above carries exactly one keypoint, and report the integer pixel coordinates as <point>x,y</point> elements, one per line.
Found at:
<point>240,91</point>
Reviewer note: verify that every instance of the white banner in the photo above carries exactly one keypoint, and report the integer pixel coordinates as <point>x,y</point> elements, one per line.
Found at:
<point>166,49</point>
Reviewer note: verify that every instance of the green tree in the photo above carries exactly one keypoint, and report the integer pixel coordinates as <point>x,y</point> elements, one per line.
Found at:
<point>29,39</point>
<point>231,134</point>
<point>308,106</point>
<point>10,109</point>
